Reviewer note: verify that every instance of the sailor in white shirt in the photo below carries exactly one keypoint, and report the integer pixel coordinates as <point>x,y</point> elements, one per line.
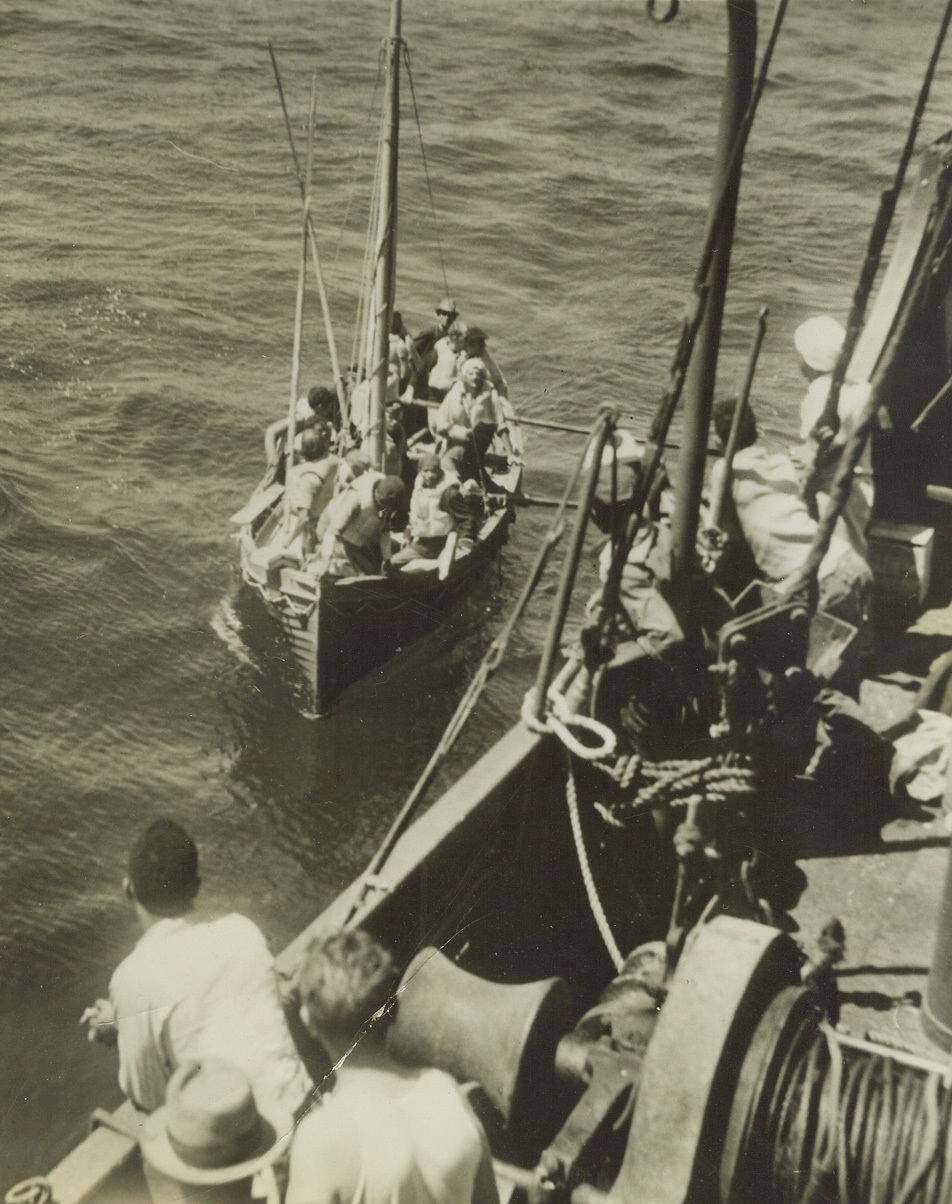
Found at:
<point>191,989</point>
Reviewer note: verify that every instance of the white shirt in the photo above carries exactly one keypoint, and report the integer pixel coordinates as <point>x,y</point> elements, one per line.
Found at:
<point>773,518</point>
<point>386,1137</point>
<point>852,401</point>
<point>193,989</point>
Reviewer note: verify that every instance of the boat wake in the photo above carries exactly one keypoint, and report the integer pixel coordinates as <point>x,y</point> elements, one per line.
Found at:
<point>228,627</point>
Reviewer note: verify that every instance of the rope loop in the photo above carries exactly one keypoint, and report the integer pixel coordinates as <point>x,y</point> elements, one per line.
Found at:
<point>30,1191</point>
<point>559,721</point>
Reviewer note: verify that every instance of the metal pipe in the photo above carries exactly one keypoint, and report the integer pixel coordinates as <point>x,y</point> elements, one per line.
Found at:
<point>702,371</point>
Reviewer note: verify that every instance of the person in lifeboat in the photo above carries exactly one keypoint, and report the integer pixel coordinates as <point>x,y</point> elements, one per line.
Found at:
<point>436,495</point>
<point>355,528</point>
<point>469,418</point>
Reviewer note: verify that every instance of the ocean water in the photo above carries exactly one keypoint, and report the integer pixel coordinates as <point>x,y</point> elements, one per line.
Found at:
<point>151,234</point>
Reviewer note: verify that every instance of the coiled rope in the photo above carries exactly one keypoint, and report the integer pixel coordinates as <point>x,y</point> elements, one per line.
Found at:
<point>841,1125</point>
<point>679,782</point>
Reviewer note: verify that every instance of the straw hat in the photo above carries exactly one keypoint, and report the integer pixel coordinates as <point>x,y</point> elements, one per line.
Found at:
<point>819,341</point>
<point>447,306</point>
<point>210,1130</point>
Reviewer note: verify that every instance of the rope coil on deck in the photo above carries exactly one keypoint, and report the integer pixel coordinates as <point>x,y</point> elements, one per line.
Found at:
<point>678,782</point>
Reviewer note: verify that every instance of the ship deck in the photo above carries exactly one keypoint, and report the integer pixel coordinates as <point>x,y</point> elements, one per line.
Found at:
<point>887,897</point>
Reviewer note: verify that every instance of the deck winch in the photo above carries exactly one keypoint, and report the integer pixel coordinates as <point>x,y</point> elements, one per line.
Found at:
<point>719,1082</point>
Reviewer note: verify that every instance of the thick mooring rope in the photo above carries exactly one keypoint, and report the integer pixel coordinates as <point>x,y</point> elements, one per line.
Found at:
<point>591,890</point>
<point>678,782</point>
<point>845,1127</point>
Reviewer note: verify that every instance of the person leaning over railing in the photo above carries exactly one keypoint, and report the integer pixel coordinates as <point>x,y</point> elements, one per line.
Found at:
<point>192,989</point>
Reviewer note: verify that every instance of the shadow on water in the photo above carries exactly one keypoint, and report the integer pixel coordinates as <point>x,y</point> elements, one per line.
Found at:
<point>332,785</point>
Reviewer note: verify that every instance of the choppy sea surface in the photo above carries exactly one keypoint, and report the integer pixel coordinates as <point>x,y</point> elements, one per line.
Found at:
<point>151,234</point>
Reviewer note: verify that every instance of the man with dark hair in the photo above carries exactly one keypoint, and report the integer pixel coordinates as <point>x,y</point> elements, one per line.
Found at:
<point>355,528</point>
<point>192,989</point>
<point>386,1134</point>
<point>320,406</point>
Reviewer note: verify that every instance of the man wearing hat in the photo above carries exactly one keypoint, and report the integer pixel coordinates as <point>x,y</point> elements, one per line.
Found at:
<point>355,528</point>
<point>386,1134</point>
<point>819,341</point>
<point>211,1137</point>
<point>192,989</point>
<point>474,347</point>
<point>431,516</point>
<point>425,344</point>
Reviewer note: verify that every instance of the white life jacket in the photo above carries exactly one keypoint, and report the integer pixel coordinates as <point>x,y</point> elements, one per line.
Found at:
<point>427,518</point>
<point>443,372</point>
<point>310,485</point>
<point>460,409</point>
<point>365,527</point>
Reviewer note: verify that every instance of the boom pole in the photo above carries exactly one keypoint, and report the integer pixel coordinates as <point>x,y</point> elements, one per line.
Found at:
<point>702,370</point>
<point>386,253</point>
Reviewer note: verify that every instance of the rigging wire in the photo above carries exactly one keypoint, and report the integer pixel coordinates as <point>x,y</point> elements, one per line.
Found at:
<point>339,384</point>
<point>362,144</point>
<point>426,168</point>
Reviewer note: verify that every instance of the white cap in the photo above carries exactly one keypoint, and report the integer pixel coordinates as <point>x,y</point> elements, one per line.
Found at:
<point>819,341</point>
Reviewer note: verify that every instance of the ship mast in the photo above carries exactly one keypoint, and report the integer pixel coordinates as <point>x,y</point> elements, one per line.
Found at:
<point>386,254</point>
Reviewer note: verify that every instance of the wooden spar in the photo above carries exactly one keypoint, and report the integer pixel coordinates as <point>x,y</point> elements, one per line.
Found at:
<point>717,501</point>
<point>318,274</point>
<point>702,370</point>
<point>604,430</point>
<point>386,255</point>
<point>929,410</point>
<point>299,307</point>
<point>566,428</point>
